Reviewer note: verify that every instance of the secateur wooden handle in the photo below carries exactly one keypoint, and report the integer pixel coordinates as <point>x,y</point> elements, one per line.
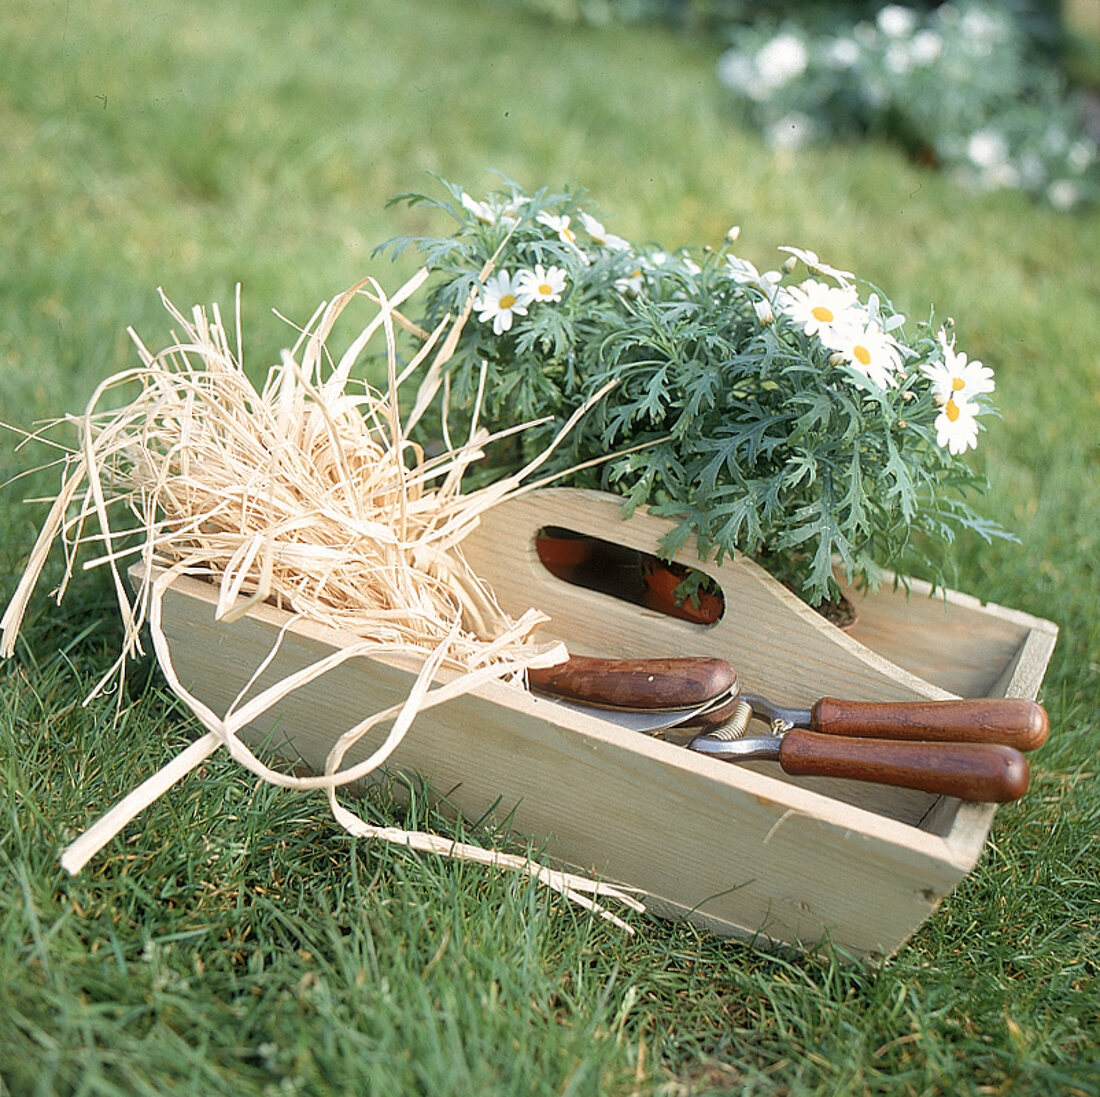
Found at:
<point>1012,721</point>
<point>988,772</point>
<point>651,684</point>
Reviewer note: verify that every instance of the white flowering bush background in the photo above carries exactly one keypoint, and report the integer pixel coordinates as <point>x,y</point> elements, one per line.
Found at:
<point>971,86</point>
<point>789,414</point>
<point>959,85</point>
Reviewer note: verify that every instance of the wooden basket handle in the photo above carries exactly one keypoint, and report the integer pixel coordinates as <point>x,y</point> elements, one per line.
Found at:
<point>777,643</point>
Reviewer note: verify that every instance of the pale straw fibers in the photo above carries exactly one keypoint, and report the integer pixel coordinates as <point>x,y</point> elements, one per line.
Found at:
<point>306,493</point>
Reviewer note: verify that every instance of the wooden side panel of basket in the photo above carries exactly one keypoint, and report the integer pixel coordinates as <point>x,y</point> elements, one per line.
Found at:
<point>739,850</point>
<point>743,850</point>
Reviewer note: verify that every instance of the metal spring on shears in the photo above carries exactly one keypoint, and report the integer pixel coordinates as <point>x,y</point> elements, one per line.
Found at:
<point>736,726</point>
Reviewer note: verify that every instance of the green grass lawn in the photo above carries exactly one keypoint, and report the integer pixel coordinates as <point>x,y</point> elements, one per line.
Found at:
<point>235,940</point>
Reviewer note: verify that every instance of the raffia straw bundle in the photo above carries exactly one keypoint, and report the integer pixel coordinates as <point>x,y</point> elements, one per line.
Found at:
<point>308,494</point>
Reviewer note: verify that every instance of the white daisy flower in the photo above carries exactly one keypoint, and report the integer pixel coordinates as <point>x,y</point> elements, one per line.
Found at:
<point>781,60</point>
<point>741,270</point>
<point>979,29</point>
<point>895,21</point>
<point>954,378</point>
<point>925,48</point>
<point>737,71</point>
<point>898,58</point>
<point>745,273</point>
<point>870,351</point>
<point>987,149</point>
<point>843,53</point>
<point>560,225</point>
<point>1063,194</point>
<point>815,266</point>
<point>823,310</point>
<point>481,210</point>
<point>887,323</point>
<point>1081,155</point>
<point>957,426</point>
<point>630,285</point>
<point>541,284</point>
<point>764,312</point>
<point>601,236</point>
<point>500,301</point>
<point>515,205</point>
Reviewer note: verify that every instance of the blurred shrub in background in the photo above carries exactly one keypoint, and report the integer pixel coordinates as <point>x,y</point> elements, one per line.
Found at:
<point>975,87</point>
<point>964,86</point>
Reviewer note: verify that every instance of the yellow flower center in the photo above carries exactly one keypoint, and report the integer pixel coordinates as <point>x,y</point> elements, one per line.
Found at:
<point>957,384</point>
<point>862,355</point>
<point>951,410</point>
<point>546,290</point>
<point>507,301</point>
<point>820,312</point>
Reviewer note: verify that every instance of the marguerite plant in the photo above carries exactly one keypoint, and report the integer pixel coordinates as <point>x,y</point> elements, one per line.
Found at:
<point>791,414</point>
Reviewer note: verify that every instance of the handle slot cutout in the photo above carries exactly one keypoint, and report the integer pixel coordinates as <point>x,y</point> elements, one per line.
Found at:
<point>640,578</point>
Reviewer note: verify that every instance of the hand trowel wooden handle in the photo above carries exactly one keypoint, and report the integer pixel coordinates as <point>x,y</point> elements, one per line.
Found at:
<point>1014,721</point>
<point>648,684</point>
<point>988,772</point>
